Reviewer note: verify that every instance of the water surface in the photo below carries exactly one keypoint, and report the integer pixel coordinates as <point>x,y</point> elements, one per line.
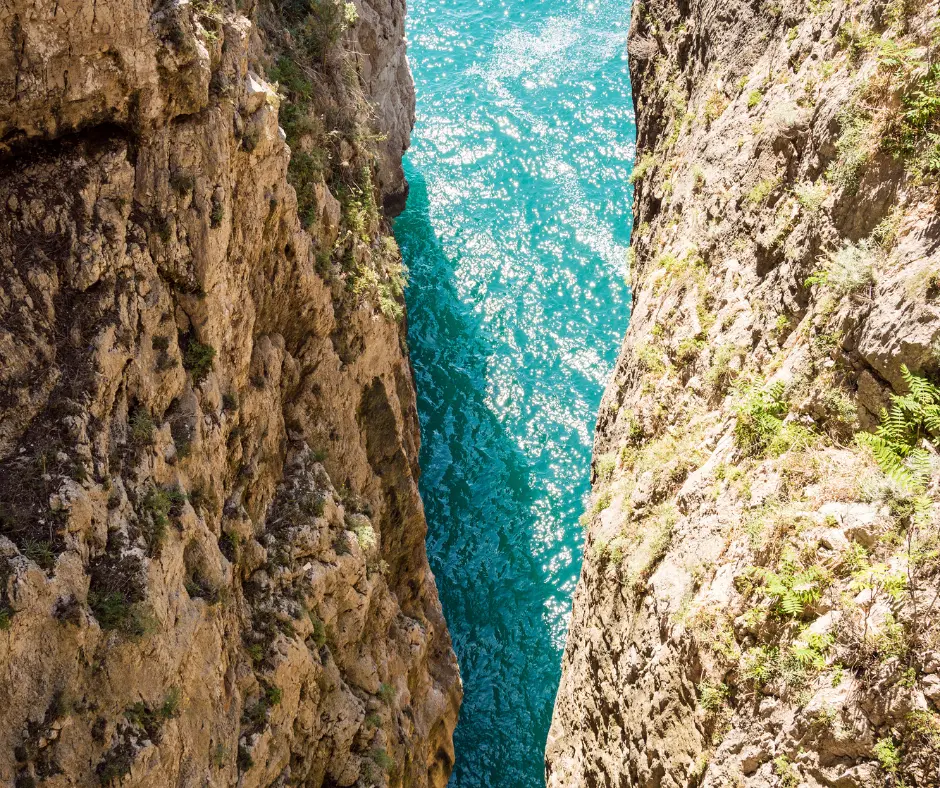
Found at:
<point>515,233</point>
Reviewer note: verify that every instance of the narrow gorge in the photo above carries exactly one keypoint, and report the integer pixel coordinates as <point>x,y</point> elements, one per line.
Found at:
<point>296,428</point>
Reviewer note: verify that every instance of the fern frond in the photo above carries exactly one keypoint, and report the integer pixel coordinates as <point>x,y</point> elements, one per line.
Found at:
<point>894,426</point>
<point>791,604</point>
<point>920,463</point>
<point>932,420</point>
<point>889,460</point>
<point>922,389</point>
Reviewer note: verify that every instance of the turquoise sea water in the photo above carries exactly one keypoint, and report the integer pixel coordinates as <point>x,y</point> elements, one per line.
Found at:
<point>515,234</point>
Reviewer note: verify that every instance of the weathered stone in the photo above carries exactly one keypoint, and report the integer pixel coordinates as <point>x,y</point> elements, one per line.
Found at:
<point>187,382</point>
<point>689,658</point>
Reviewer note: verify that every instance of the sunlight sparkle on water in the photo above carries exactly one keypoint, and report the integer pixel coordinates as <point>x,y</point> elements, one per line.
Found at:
<point>515,235</point>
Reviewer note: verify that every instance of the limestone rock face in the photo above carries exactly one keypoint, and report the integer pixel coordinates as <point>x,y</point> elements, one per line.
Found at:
<point>212,561</point>
<point>388,81</point>
<point>757,605</point>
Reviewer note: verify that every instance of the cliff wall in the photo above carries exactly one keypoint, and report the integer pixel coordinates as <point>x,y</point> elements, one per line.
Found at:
<point>758,601</point>
<point>212,562</point>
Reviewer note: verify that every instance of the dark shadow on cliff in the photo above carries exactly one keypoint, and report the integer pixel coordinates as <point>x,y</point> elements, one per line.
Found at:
<point>478,496</point>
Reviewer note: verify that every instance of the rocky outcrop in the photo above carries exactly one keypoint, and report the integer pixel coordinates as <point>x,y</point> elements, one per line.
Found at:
<point>212,562</point>
<point>758,600</point>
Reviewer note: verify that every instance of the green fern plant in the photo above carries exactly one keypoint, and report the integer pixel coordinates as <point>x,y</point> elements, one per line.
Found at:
<point>793,587</point>
<point>810,650</point>
<point>760,418</point>
<point>897,445</point>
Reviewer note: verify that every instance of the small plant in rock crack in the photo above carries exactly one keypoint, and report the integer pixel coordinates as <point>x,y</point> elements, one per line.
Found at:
<point>712,695</point>
<point>811,195</point>
<point>810,650</point>
<point>886,751</point>
<point>386,692</point>
<point>198,360</point>
<point>141,427</point>
<point>157,506</point>
<point>114,611</point>
<point>382,759</point>
<point>786,771</point>
<point>39,551</point>
<point>921,117</point>
<point>642,167</point>
<point>151,719</point>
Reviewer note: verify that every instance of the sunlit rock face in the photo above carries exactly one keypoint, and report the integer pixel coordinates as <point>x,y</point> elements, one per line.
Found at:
<point>212,563</point>
<point>753,605</point>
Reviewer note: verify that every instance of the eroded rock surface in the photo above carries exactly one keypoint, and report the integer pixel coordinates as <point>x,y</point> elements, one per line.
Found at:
<point>212,562</point>
<point>758,602</point>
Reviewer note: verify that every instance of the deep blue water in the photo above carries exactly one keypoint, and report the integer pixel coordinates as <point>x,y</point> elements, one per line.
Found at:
<point>515,234</point>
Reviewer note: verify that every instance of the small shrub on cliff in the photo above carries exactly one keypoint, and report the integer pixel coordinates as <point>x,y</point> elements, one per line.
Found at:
<point>762,190</point>
<point>255,715</point>
<point>319,631</point>
<point>602,502</point>
<point>605,466</point>
<point>382,759</point>
<point>722,371</point>
<point>857,143</point>
<point>386,692</point>
<point>919,122</point>
<point>141,427</point>
<point>651,359</point>
<point>157,506</point>
<point>642,167</point>
<point>273,695</point>
<point>152,719</point>
<point>758,664</point>
<point>318,24</point>
<point>220,755</point>
<point>39,551</point>
<point>886,752</point>
<point>116,763</point>
<point>715,106</point>
<point>245,761</point>
<point>787,772</point>
<point>712,696</point>
<point>217,213</point>
<point>182,181</point>
<point>114,611</point>
<point>811,195</point>
<point>792,587</point>
<point>198,360</point>
<point>365,536</point>
<point>850,269</point>
<point>688,350</point>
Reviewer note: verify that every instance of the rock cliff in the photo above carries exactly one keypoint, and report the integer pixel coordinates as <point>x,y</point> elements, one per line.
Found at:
<point>212,562</point>
<point>759,598</point>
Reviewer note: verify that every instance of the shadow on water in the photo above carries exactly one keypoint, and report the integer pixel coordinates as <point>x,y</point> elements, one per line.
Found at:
<point>478,495</point>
